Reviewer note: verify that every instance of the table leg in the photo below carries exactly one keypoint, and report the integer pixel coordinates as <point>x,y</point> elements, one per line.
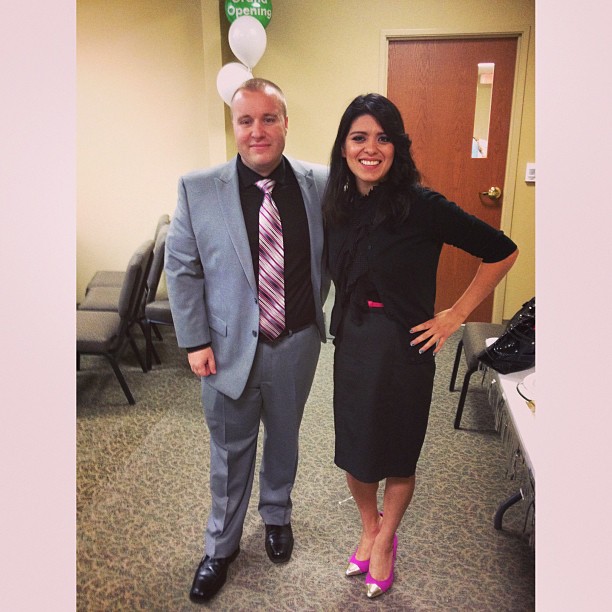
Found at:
<point>499,514</point>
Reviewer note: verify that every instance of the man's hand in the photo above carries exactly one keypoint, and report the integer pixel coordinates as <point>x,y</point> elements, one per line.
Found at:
<point>202,362</point>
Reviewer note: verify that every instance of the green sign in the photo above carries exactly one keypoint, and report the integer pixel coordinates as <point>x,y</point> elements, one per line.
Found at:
<point>260,9</point>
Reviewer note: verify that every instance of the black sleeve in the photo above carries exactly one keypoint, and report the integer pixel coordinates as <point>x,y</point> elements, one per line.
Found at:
<point>456,227</point>
<point>193,349</point>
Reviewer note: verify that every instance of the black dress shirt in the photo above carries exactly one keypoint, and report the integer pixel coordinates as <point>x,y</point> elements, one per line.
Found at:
<point>299,300</point>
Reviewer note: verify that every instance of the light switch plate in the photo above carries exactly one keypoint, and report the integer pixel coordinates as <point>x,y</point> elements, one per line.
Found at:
<point>530,176</point>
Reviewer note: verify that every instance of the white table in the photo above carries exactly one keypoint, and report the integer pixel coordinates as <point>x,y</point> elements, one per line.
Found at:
<point>522,420</point>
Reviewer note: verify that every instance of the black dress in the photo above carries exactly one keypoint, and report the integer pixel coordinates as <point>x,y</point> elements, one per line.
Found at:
<point>382,385</point>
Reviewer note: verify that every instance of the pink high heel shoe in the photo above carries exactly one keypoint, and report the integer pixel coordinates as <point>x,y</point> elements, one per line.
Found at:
<point>357,567</point>
<point>378,587</point>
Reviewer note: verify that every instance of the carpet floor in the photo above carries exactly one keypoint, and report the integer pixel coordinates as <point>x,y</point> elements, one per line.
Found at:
<point>143,500</point>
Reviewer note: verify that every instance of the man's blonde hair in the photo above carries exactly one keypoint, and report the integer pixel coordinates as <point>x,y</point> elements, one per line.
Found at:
<point>264,86</point>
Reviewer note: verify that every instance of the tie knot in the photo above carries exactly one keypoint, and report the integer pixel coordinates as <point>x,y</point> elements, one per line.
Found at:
<point>266,185</point>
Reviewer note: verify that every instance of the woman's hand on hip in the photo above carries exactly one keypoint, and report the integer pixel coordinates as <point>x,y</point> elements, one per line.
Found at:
<point>436,331</point>
<point>447,322</point>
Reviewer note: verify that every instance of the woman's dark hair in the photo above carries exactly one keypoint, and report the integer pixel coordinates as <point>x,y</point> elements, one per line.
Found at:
<point>403,176</point>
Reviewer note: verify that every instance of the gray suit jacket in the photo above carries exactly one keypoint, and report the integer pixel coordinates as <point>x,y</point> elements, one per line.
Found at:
<point>209,270</point>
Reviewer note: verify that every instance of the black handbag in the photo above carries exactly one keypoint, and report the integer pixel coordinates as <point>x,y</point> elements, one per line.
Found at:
<point>514,350</point>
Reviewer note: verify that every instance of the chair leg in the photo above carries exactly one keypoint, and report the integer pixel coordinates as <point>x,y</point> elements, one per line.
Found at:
<point>158,334</point>
<point>155,354</point>
<point>150,352</point>
<point>141,361</point>
<point>121,379</point>
<point>145,326</point>
<point>148,346</point>
<point>464,390</point>
<point>456,366</point>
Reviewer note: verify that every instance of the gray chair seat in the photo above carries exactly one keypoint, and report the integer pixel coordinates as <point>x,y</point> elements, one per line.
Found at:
<point>159,312</point>
<point>101,298</point>
<point>106,278</point>
<point>97,332</point>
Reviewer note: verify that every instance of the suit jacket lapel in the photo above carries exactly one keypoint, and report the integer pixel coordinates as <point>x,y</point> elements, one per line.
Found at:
<point>228,194</point>
<point>312,203</point>
<point>313,209</point>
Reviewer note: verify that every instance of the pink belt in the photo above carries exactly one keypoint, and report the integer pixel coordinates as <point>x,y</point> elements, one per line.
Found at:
<point>372,304</point>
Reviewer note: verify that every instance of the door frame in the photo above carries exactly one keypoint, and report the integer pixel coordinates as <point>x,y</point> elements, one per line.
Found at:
<point>523,35</point>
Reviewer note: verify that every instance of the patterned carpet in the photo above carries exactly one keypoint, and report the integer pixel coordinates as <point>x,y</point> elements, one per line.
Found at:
<point>142,502</point>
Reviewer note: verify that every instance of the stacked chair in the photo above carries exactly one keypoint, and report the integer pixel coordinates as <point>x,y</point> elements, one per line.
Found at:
<point>107,315</point>
<point>156,311</point>
<point>471,344</point>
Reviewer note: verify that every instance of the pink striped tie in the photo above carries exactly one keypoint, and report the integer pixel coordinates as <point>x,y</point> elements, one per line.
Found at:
<point>271,265</point>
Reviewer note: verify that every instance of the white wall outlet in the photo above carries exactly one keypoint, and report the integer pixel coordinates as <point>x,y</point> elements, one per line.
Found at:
<point>530,173</point>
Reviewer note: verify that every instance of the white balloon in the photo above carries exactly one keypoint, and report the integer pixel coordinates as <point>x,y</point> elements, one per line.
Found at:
<point>247,39</point>
<point>229,78</point>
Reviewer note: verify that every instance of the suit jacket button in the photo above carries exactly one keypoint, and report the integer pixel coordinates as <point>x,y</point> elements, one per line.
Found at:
<point>254,334</point>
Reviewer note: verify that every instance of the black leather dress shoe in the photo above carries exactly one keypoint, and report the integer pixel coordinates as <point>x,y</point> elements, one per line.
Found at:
<point>279,542</point>
<point>210,577</point>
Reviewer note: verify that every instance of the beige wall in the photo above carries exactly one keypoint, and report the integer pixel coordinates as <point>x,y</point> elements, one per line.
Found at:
<point>146,72</point>
<point>149,111</point>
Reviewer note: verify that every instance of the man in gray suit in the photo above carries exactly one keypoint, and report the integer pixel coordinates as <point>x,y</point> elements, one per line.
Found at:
<point>213,269</point>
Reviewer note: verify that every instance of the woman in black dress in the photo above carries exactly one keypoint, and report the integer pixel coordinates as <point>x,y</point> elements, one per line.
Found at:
<point>385,232</point>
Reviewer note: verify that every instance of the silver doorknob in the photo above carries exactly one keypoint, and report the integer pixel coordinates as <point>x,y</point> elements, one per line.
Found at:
<point>494,193</point>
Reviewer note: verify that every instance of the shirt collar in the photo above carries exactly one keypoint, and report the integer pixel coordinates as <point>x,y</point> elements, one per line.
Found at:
<point>249,177</point>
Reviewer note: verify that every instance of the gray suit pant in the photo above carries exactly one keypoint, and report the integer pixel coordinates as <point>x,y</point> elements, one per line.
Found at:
<point>275,393</point>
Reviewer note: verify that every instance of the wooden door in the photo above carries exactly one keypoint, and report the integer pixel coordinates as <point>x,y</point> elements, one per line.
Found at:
<point>434,84</point>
